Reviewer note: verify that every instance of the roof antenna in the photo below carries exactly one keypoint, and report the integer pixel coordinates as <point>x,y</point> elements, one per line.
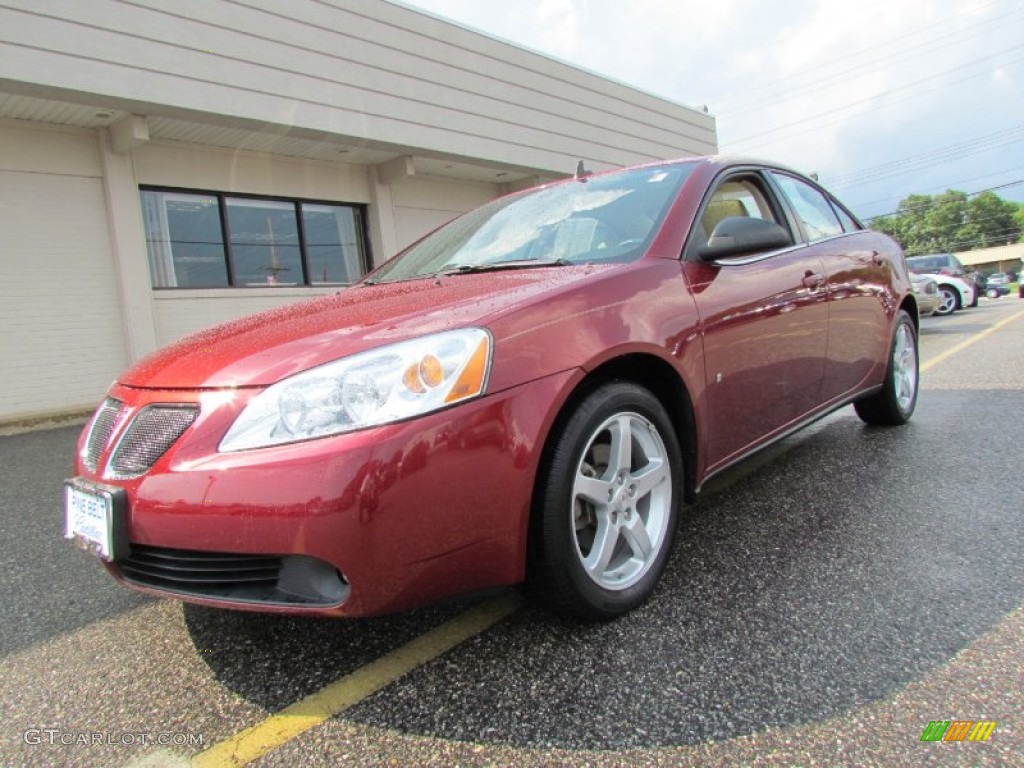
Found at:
<point>581,172</point>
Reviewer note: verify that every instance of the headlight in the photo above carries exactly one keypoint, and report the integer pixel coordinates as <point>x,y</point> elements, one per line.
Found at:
<point>376,387</point>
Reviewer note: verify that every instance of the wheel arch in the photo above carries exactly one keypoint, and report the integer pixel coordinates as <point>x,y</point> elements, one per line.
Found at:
<point>647,371</point>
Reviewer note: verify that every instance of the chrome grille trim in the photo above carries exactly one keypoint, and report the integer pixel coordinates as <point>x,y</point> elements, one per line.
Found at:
<point>153,430</point>
<point>102,426</point>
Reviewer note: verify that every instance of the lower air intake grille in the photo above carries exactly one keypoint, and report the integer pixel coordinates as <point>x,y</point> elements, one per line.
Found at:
<point>269,579</point>
<point>213,574</point>
<point>102,425</point>
<point>149,436</point>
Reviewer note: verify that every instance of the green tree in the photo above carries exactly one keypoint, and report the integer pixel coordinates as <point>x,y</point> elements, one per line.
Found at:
<point>991,221</point>
<point>952,221</point>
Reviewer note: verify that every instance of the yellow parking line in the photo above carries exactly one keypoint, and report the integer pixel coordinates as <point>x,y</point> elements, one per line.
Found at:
<point>967,342</point>
<point>271,733</point>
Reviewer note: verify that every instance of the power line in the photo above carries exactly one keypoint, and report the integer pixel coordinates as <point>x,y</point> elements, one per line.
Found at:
<point>926,159</point>
<point>883,94</point>
<point>767,96</point>
<point>963,245</point>
<point>929,190</point>
<point>917,31</point>
<point>969,194</point>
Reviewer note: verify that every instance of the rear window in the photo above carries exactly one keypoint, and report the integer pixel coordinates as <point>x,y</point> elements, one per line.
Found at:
<point>938,261</point>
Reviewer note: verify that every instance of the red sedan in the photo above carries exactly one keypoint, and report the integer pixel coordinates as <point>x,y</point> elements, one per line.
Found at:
<point>530,393</point>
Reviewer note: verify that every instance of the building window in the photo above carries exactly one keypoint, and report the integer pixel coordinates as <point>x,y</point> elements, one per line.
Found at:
<point>212,240</point>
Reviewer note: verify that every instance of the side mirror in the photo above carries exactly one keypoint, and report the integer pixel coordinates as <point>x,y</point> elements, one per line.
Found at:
<point>735,235</point>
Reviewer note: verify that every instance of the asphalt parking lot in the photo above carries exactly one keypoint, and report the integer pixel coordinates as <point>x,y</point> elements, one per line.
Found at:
<point>825,601</point>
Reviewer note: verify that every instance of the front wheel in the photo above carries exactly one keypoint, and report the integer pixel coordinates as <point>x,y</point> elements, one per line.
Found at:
<point>606,506</point>
<point>895,402</point>
<point>949,300</point>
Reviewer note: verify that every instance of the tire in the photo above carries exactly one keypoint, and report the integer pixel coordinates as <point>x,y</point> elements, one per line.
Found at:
<point>992,293</point>
<point>895,402</point>
<point>950,300</point>
<point>605,508</point>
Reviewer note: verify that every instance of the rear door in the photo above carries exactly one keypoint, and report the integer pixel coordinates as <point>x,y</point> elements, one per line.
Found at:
<point>859,280</point>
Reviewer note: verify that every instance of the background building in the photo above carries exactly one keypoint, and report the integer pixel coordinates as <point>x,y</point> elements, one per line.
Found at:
<point>166,166</point>
<point>1003,258</point>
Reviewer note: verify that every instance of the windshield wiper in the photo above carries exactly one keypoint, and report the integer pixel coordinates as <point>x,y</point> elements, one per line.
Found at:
<point>465,269</point>
<point>494,266</point>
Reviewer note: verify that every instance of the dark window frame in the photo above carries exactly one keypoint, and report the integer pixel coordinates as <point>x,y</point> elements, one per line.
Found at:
<point>361,228</point>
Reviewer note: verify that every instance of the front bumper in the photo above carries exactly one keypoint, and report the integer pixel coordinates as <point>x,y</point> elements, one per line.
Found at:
<point>369,522</point>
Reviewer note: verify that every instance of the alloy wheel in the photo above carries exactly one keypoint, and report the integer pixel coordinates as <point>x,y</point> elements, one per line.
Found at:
<point>621,499</point>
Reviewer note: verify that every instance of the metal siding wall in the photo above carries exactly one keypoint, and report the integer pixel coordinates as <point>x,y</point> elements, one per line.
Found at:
<point>62,342</point>
<point>364,69</point>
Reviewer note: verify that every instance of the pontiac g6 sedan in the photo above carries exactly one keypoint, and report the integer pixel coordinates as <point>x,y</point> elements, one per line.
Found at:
<point>530,393</point>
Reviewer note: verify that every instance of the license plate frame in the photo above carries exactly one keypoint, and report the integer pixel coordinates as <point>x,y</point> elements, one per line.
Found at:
<point>94,518</point>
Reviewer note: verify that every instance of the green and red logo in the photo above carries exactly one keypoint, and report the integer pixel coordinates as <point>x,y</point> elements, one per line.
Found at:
<point>958,730</point>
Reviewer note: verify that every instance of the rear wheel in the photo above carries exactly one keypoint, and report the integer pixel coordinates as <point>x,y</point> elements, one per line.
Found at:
<point>895,402</point>
<point>606,506</point>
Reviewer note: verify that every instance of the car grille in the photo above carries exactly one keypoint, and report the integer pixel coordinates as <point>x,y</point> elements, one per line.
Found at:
<point>148,437</point>
<point>234,577</point>
<point>102,425</point>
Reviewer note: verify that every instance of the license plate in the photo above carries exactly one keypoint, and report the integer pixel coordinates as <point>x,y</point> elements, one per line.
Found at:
<point>93,517</point>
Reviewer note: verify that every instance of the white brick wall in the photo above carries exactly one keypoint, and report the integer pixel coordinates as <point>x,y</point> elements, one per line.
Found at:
<point>363,69</point>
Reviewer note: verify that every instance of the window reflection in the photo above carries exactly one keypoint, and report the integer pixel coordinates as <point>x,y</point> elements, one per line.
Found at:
<point>264,242</point>
<point>184,240</point>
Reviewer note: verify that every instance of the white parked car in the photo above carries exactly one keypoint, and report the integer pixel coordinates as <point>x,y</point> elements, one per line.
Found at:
<point>950,273</point>
<point>954,293</point>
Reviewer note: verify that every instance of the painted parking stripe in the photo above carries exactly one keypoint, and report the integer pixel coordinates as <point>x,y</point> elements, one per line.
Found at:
<point>271,733</point>
<point>968,342</point>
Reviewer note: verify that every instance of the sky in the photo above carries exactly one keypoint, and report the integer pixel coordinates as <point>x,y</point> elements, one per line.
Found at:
<point>880,98</point>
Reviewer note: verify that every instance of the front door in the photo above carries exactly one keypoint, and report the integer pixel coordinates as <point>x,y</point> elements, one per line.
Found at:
<point>764,320</point>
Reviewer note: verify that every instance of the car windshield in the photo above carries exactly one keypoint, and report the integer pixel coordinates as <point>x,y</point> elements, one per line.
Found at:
<point>607,218</point>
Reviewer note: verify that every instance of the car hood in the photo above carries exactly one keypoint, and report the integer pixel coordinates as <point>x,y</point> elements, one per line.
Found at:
<point>264,348</point>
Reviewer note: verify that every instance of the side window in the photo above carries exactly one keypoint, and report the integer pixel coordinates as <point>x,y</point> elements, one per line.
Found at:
<point>740,197</point>
<point>810,206</point>
<point>849,225</point>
